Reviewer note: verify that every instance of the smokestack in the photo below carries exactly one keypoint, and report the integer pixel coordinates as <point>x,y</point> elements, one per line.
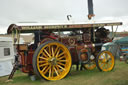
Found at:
<point>90,9</point>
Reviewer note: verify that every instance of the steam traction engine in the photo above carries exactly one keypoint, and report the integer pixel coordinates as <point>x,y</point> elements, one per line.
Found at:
<point>56,47</point>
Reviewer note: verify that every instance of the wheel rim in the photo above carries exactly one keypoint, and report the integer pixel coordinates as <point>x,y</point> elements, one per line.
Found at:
<point>106,61</point>
<point>90,66</point>
<point>54,61</point>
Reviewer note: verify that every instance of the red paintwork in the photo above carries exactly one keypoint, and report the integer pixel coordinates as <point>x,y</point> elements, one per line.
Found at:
<point>71,42</point>
<point>26,62</point>
<point>23,63</point>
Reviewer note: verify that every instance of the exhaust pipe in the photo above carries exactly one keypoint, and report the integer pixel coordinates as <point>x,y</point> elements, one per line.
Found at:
<point>90,9</point>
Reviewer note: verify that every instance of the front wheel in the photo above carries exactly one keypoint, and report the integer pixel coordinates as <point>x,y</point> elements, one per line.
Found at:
<point>52,61</point>
<point>105,61</point>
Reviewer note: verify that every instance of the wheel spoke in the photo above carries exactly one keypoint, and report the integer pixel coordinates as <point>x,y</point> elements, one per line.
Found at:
<point>53,52</point>
<point>61,64</point>
<point>43,61</point>
<point>101,61</point>
<point>44,68</point>
<point>47,53</point>
<point>50,71</point>
<point>104,65</point>
<point>61,54</point>
<point>47,69</point>
<point>109,64</point>
<point>49,50</point>
<point>43,58</point>
<point>101,64</point>
<point>61,57</point>
<point>57,53</point>
<point>56,71</point>
<point>45,64</point>
<point>61,67</point>
<point>62,60</point>
<point>56,48</point>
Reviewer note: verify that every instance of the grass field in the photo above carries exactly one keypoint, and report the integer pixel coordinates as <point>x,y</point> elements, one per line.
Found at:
<point>119,76</point>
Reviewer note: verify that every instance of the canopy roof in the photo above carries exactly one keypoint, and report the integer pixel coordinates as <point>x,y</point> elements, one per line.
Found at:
<point>29,27</point>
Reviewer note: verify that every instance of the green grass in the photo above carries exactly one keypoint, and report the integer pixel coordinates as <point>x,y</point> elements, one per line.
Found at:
<point>119,76</point>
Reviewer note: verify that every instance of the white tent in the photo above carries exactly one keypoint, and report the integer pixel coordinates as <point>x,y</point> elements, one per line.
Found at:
<point>6,55</point>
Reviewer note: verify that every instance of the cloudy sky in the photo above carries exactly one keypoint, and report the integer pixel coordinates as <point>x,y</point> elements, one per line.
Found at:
<point>13,11</point>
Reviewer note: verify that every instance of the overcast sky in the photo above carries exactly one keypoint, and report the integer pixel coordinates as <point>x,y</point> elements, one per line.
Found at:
<point>13,11</point>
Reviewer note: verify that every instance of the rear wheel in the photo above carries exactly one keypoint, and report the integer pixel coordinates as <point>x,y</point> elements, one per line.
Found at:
<point>105,61</point>
<point>91,65</point>
<point>52,61</point>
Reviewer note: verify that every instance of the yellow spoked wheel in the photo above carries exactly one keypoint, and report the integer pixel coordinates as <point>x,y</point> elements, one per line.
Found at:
<point>52,61</point>
<point>105,61</point>
<point>90,66</point>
